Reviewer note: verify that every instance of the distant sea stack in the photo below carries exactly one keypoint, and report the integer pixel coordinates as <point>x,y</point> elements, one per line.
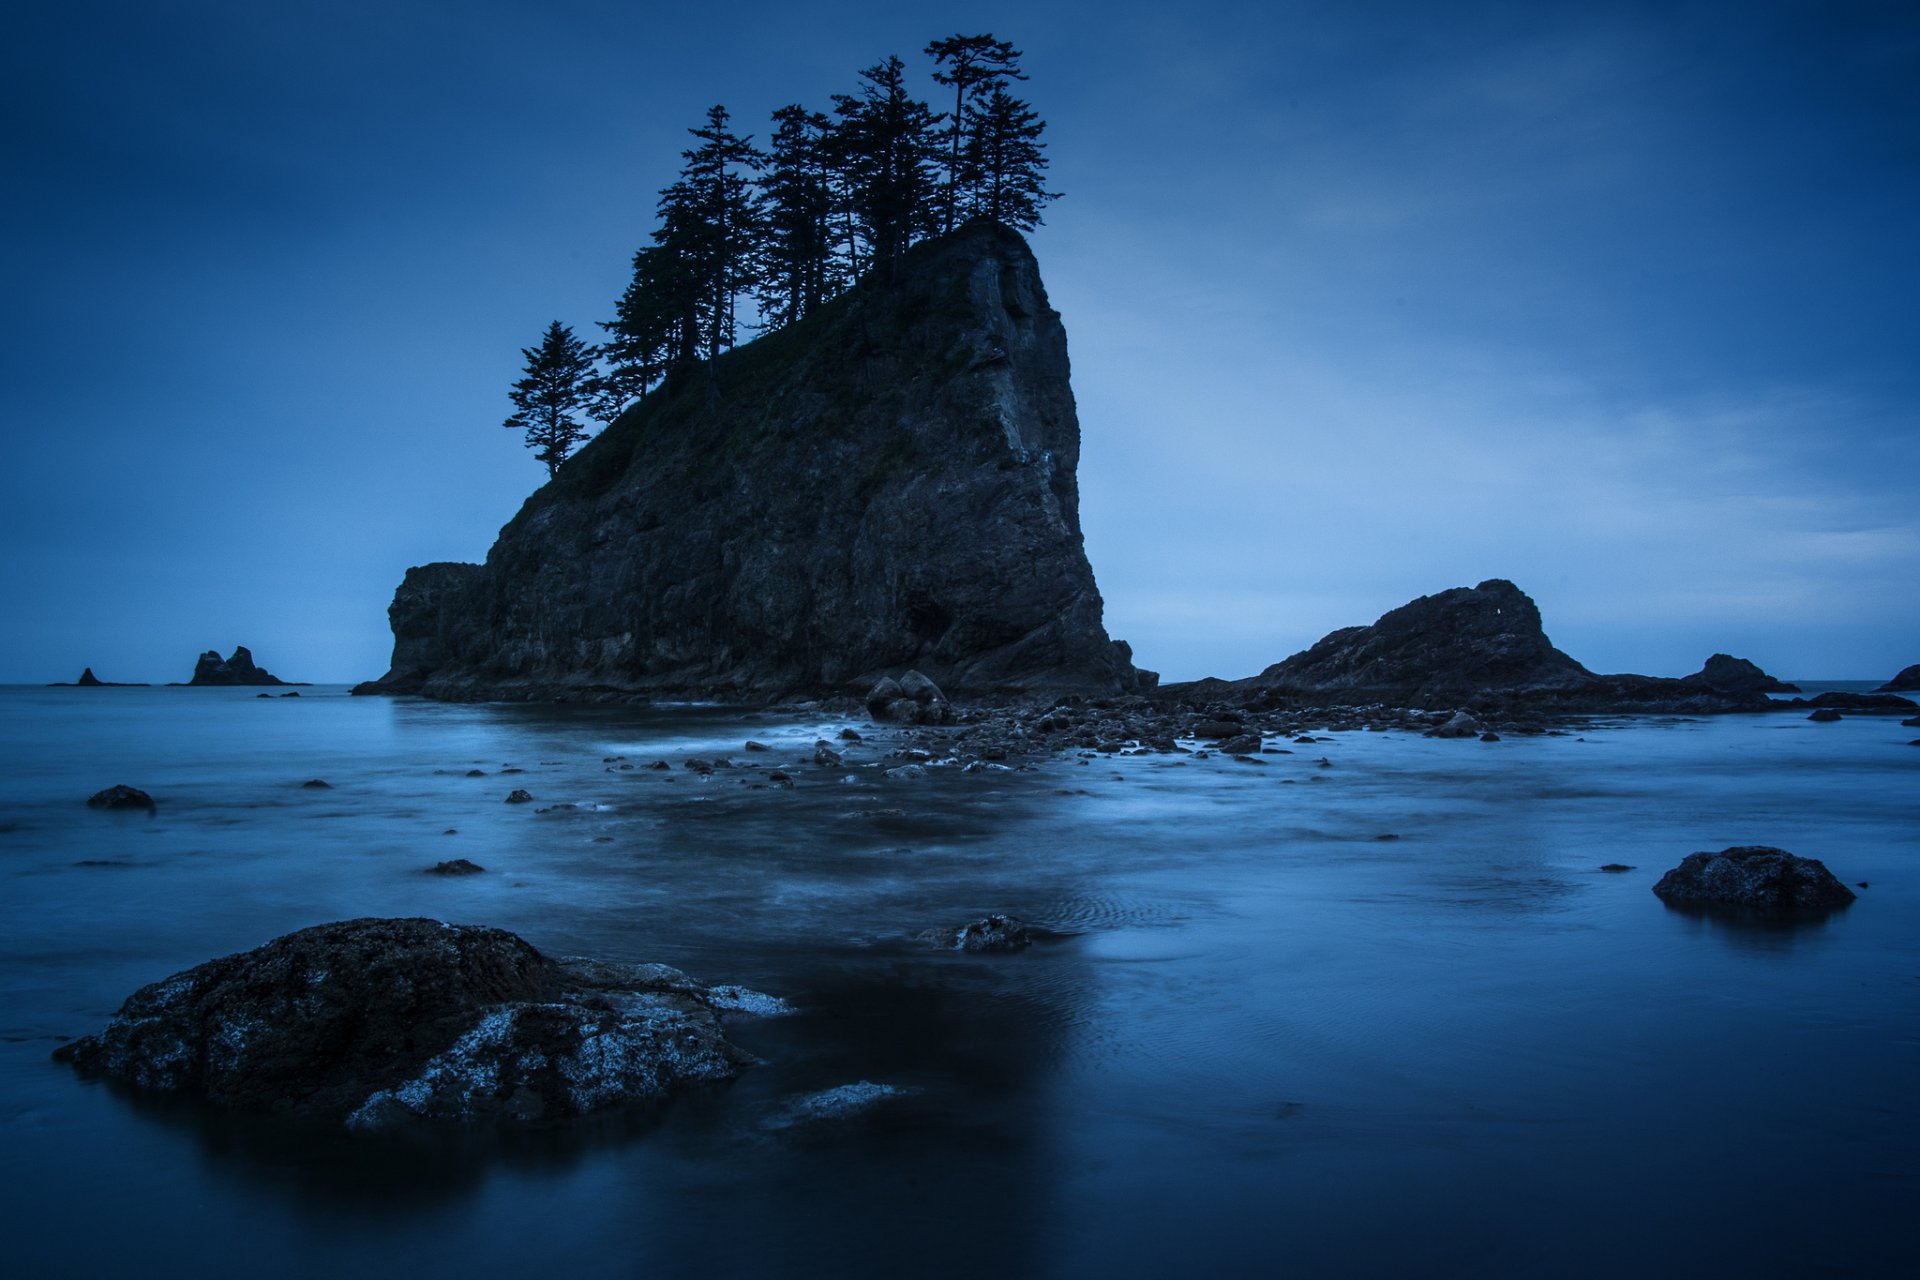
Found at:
<point>212,669</point>
<point>1908,681</point>
<point>88,680</point>
<point>1484,648</point>
<point>888,484</point>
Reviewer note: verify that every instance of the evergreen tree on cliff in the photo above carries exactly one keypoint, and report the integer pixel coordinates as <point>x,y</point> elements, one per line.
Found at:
<point>973,67</point>
<point>1009,161</point>
<point>796,269</point>
<point>557,386</point>
<point>886,144</point>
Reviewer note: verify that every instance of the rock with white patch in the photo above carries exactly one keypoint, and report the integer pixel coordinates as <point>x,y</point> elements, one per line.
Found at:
<point>375,1023</point>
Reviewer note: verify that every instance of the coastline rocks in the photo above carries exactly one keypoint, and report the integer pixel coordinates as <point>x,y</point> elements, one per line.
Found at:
<point>1727,674</point>
<point>1868,702</point>
<point>993,932</point>
<point>1825,715</point>
<point>376,1023</point>
<point>912,699</point>
<point>1458,725</point>
<point>1482,649</point>
<point>907,461</point>
<point>88,680</point>
<point>121,797</point>
<point>1756,878</point>
<point>1908,681</point>
<point>239,669</point>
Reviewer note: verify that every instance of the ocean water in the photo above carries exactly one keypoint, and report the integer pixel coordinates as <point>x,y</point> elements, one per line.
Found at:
<point>1271,1041</point>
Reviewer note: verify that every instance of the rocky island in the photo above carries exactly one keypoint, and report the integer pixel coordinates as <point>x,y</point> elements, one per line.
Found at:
<point>889,484</point>
<point>212,669</point>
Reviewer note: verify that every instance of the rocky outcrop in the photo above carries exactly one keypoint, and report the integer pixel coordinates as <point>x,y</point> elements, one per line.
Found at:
<point>212,669</point>
<point>1482,648</point>
<point>912,699</point>
<point>121,796</point>
<point>1871,703</point>
<point>1724,673</point>
<point>376,1023</point>
<point>887,485</point>
<point>88,680</point>
<point>994,932</point>
<point>1755,877</point>
<point>1908,681</point>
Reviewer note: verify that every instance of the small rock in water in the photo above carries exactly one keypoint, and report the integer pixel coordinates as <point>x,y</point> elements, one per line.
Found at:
<point>994,932</point>
<point>317,784</point>
<point>833,1104</point>
<point>1825,715</point>
<point>825,755</point>
<point>120,797</point>
<point>659,764</point>
<point>1756,878</point>
<point>851,735</point>
<point>517,796</point>
<point>455,867</point>
<point>1489,736</point>
<point>757,746</point>
<point>476,773</point>
<point>1460,725</point>
<point>1615,866</point>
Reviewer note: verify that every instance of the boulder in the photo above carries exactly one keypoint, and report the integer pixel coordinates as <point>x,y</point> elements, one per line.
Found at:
<point>994,932</point>
<point>519,796</point>
<point>120,797</point>
<point>455,867</point>
<point>379,1023</point>
<point>1755,878</point>
<point>1825,715</point>
<point>824,755</point>
<point>912,699</point>
<point>1458,725</point>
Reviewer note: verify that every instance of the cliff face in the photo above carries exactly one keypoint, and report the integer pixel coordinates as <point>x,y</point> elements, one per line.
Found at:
<point>888,484</point>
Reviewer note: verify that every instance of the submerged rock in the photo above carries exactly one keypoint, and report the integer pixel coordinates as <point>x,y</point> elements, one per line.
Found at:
<point>1753,877</point>
<point>375,1023</point>
<point>994,932</point>
<point>1825,715</point>
<point>455,867</point>
<point>120,796</point>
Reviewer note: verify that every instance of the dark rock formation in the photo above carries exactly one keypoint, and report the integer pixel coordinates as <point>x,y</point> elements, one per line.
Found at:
<point>1727,674</point>
<point>912,699</point>
<point>88,680</point>
<point>887,485</point>
<point>120,796</point>
<point>1825,715</point>
<point>1756,878</point>
<point>455,867</point>
<point>1481,648</point>
<point>373,1023</point>
<point>1872,703</point>
<point>993,932</point>
<point>1908,681</point>
<point>237,670</point>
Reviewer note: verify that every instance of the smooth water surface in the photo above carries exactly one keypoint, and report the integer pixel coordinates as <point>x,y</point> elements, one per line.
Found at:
<point>1274,1040</point>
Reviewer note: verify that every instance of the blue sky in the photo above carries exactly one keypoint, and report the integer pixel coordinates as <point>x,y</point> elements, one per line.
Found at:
<point>1364,302</point>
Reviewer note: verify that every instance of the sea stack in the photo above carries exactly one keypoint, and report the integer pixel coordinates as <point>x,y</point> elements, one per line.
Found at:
<point>212,669</point>
<point>888,485</point>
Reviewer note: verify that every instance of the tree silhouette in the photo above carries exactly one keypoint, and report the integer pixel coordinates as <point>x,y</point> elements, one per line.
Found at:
<point>558,384</point>
<point>1006,153</point>
<point>973,66</point>
<point>885,143</point>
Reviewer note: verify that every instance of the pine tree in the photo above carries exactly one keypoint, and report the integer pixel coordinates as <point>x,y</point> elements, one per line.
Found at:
<point>723,199</point>
<point>974,66</point>
<point>796,266</point>
<point>885,142</point>
<point>557,385</point>
<point>1006,152</point>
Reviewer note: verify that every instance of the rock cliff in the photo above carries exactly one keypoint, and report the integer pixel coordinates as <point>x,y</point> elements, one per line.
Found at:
<point>888,484</point>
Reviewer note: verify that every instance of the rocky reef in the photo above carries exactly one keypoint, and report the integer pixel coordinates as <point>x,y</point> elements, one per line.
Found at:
<point>889,485</point>
<point>212,669</point>
<point>88,680</point>
<point>1756,878</point>
<point>1484,648</point>
<point>375,1023</point>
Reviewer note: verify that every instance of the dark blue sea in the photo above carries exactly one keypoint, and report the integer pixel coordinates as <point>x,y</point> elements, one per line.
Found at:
<point>1271,1042</point>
